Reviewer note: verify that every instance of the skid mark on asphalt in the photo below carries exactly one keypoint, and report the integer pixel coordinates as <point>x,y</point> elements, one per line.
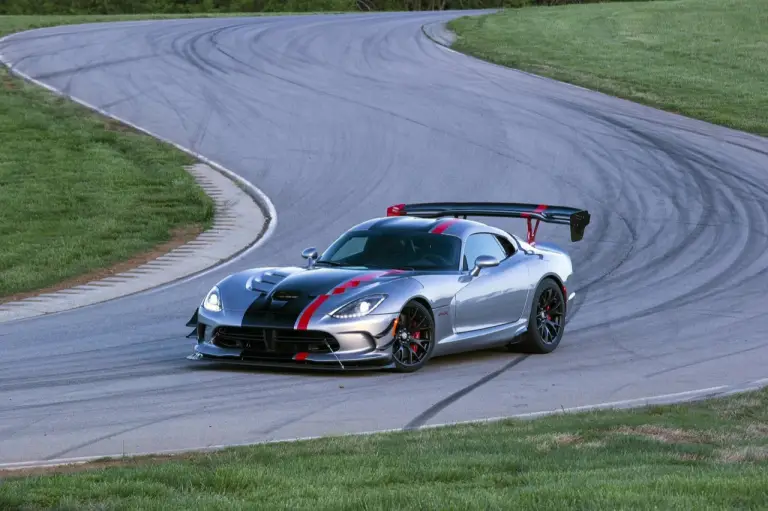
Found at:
<point>116,433</point>
<point>444,403</point>
<point>278,425</point>
<point>705,360</point>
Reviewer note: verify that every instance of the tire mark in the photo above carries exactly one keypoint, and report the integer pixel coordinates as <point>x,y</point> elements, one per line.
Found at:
<point>444,403</point>
<point>108,436</point>
<point>705,360</point>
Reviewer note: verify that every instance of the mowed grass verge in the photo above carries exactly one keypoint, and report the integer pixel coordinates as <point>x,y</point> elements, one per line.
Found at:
<point>80,193</point>
<point>702,456</point>
<point>706,59</point>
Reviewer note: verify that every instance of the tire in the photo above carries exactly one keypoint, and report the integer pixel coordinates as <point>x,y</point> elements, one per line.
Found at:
<point>411,353</point>
<point>539,338</point>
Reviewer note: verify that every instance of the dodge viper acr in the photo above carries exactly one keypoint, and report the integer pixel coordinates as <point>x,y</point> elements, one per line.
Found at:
<point>395,291</point>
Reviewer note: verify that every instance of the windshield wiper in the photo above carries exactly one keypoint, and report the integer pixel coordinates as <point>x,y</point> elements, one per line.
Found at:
<point>378,267</point>
<point>330,263</point>
<point>368,266</point>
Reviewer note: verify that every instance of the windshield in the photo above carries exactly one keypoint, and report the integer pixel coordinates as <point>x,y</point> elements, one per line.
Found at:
<point>395,250</point>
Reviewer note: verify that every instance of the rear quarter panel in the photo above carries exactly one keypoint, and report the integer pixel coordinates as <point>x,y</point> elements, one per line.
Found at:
<point>549,259</point>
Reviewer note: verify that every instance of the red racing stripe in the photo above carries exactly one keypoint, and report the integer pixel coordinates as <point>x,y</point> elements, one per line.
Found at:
<point>307,314</point>
<point>442,226</point>
<point>309,311</point>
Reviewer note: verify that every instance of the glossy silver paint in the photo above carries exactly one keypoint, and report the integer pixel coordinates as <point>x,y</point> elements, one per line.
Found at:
<point>473,308</point>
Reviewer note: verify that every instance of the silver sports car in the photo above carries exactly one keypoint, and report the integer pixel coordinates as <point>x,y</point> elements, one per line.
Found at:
<point>395,291</point>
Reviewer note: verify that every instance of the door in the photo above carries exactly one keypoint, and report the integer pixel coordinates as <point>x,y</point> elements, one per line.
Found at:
<point>497,295</point>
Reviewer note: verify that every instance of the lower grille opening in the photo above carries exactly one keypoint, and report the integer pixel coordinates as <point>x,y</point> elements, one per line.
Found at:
<point>274,343</point>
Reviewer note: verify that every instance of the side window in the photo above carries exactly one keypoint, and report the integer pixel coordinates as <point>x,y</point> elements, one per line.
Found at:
<point>481,244</point>
<point>507,245</point>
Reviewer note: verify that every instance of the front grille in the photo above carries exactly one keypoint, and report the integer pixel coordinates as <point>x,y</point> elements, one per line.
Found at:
<point>274,342</point>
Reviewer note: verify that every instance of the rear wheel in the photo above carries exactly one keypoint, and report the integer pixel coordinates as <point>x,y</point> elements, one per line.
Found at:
<point>414,338</point>
<point>546,322</point>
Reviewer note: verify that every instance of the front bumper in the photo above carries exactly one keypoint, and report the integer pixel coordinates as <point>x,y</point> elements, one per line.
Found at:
<point>370,360</point>
<point>340,344</point>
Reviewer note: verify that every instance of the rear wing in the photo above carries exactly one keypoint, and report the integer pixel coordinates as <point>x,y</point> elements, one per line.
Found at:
<point>577,219</point>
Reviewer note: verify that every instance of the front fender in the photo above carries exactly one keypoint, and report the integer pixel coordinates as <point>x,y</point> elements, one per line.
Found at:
<point>398,292</point>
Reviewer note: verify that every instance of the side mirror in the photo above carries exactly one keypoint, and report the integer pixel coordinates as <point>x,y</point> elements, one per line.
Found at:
<point>310,254</point>
<point>483,261</point>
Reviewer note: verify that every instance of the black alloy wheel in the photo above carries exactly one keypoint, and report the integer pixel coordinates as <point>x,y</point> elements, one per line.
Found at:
<point>546,322</point>
<point>414,338</point>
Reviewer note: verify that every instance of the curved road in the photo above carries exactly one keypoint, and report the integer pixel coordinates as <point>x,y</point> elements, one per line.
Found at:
<point>337,117</point>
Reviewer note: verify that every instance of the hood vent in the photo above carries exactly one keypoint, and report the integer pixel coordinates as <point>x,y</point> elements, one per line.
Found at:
<point>285,295</point>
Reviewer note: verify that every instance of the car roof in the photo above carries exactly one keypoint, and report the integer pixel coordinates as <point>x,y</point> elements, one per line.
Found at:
<point>461,228</point>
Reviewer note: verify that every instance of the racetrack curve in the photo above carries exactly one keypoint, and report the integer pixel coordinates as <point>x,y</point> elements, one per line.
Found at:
<point>335,118</point>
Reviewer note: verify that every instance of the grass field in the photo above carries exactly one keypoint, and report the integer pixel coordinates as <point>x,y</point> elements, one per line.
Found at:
<point>706,59</point>
<point>79,194</point>
<point>708,455</point>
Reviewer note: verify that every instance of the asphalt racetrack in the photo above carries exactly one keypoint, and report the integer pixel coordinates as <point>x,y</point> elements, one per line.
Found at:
<point>335,118</point>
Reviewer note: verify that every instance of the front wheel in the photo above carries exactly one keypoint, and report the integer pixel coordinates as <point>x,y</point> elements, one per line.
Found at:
<point>414,338</point>
<point>546,323</point>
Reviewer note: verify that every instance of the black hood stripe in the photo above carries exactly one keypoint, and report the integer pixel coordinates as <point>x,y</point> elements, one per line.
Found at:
<point>272,310</point>
<point>268,311</point>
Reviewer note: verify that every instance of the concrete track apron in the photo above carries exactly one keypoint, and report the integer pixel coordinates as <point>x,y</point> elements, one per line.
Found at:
<point>337,117</point>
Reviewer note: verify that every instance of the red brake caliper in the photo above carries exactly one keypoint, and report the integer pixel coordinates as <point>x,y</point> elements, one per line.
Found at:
<point>415,346</point>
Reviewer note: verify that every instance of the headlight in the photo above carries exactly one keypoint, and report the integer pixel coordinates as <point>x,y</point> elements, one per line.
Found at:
<point>212,301</point>
<point>358,308</point>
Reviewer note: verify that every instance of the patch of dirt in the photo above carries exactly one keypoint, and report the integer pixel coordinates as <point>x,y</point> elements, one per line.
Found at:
<point>113,125</point>
<point>74,468</point>
<point>744,454</point>
<point>551,441</point>
<point>567,439</point>
<point>666,435</point>
<point>8,82</point>
<point>179,237</point>
<point>759,430</point>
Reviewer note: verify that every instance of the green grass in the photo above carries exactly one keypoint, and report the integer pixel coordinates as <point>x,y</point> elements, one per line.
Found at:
<point>708,455</point>
<point>77,193</point>
<point>706,59</point>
